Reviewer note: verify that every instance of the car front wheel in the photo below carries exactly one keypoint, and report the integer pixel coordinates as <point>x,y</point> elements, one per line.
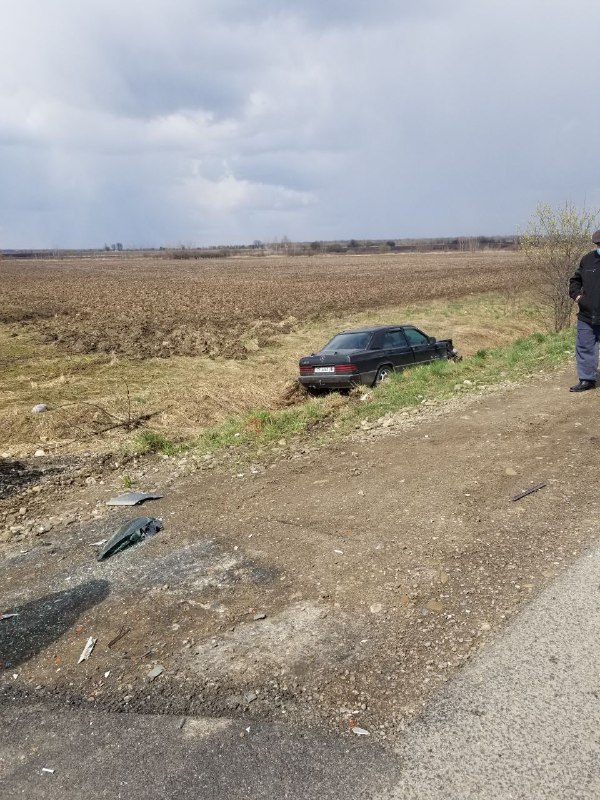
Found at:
<point>383,374</point>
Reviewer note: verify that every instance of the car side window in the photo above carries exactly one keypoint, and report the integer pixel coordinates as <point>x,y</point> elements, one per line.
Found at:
<point>415,337</point>
<point>394,339</point>
<point>376,342</point>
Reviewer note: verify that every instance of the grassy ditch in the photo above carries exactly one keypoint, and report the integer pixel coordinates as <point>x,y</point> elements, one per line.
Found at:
<point>334,414</point>
<point>88,394</point>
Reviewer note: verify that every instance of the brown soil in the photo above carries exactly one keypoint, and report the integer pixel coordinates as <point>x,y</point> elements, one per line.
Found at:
<point>151,306</point>
<point>381,565</point>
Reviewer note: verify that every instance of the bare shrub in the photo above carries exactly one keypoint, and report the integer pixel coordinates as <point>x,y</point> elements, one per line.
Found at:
<point>554,243</point>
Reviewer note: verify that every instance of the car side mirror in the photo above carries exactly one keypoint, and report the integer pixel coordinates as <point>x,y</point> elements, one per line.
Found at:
<point>432,340</point>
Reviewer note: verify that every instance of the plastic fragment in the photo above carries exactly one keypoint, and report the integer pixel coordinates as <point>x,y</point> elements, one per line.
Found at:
<point>87,650</point>
<point>130,533</point>
<point>260,616</point>
<point>156,671</point>
<point>47,769</point>
<point>132,498</point>
<point>360,731</point>
<point>8,616</point>
<point>39,409</point>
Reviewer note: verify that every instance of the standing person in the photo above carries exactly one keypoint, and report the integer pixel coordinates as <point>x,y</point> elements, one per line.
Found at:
<point>584,288</point>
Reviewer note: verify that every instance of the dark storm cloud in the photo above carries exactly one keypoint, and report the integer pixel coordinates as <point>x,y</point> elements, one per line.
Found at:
<point>201,121</point>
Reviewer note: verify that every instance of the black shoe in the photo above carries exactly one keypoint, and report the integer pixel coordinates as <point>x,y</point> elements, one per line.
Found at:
<point>583,386</point>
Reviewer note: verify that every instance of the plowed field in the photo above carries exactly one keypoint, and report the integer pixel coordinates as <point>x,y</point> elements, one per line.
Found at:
<point>152,306</point>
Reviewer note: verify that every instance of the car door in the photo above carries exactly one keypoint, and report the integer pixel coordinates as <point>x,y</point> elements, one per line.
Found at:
<point>396,347</point>
<point>423,350</point>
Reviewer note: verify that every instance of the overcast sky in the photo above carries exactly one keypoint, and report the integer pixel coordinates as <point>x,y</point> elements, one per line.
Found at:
<point>168,122</point>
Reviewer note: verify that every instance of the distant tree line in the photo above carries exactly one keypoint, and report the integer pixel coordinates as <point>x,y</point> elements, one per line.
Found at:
<point>285,246</point>
<point>352,246</point>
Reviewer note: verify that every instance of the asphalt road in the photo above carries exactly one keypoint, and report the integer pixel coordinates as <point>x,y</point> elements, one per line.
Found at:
<point>521,721</point>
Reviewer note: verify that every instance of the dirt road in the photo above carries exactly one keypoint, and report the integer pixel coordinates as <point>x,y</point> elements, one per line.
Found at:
<point>380,565</point>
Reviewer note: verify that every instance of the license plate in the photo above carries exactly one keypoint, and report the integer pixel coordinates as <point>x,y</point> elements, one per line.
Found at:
<point>324,369</point>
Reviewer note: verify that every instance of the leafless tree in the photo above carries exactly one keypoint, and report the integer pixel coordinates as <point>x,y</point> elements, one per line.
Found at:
<point>554,242</point>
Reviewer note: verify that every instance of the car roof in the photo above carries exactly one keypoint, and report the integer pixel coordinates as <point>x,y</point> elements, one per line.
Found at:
<point>374,329</point>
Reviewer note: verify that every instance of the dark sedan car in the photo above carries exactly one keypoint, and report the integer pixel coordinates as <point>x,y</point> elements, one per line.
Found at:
<point>369,355</point>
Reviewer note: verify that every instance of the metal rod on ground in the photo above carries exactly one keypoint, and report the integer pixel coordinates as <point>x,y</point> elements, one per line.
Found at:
<point>531,490</point>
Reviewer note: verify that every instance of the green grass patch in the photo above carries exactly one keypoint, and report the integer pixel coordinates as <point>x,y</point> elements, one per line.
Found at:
<point>264,428</point>
<point>153,442</point>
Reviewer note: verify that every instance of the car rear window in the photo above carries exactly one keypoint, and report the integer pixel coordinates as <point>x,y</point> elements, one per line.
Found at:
<point>348,341</point>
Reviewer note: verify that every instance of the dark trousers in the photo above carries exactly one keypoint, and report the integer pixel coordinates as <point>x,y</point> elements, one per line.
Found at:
<point>586,350</point>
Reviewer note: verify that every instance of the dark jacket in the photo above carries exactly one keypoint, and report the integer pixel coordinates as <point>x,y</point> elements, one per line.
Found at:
<point>586,282</point>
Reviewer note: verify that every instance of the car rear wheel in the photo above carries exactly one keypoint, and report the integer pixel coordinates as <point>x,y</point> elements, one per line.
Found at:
<point>383,374</point>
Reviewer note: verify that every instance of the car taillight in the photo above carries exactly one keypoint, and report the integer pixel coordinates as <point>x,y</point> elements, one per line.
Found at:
<point>346,368</point>
<point>306,370</point>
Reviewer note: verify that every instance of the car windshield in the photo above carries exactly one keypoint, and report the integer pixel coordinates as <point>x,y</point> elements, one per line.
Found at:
<point>348,341</point>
